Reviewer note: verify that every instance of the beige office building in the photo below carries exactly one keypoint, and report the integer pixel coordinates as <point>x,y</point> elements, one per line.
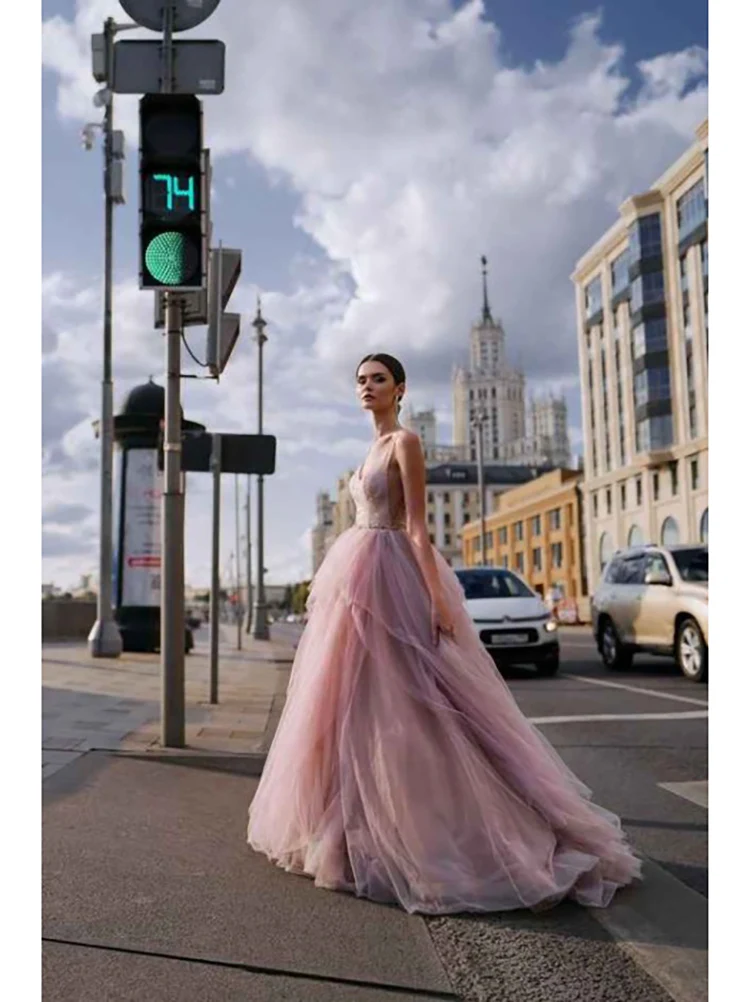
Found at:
<point>642,306</point>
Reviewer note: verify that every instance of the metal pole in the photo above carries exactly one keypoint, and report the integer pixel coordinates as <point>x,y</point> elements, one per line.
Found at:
<point>249,616</point>
<point>479,426</point>
<point>173,557</point>
<point>260,621</point>
<point>104,639</point>
<point>173,569</point>
<point>215,579</point>
<point>239,564</point>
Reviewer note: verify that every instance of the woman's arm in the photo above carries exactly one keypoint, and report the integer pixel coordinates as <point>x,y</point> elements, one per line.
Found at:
<point>409,456</point>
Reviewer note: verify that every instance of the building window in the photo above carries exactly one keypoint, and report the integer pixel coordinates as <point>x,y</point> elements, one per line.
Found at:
<point>505,563</point>
<point>519,563</point>
<point>447,519</point>
<point>608,498</point>
<point>654,433</point>
<point>693,417</point>
<point>648,288</point>
<point>694,474</point>
<point>504,535</point>
<point>595,504</point>
<point>554,519</point>
<point>447,498</point>
<point>704,258</point>
<point>557,555</point>
<point>635,536</point>
<point>467,517</point>
<point>703,530</point>
<point>430,518</point>
<point>536,525</point>
<point>649,336</point>
<point>684,277</point>
<point>674,479</point>
<point>432,540</point>
<point>686,325</point>
<point>448,539</point>
<point>518,531</point>
<point>619,273</point>
<point>638,492</point>
<point>691,209</point>
<point>537,556</point>
<point>670,532</point>
<point>655,480</point>
<point>606,549</point>
<point>593,297</point>
<point>651,384</point>
<point>430,497</point>
<point>623,495</point>
<point>644,237</point>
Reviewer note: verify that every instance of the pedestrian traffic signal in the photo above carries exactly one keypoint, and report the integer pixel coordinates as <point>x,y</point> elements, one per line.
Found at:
<point>173,239</point>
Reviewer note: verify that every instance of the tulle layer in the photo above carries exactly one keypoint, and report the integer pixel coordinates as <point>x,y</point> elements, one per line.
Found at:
<point>403,771</point>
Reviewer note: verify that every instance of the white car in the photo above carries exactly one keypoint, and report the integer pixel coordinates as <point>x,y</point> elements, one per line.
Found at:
<point>512,621</point>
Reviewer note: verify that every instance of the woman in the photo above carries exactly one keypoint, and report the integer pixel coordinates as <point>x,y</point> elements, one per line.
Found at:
<point>402,769</point>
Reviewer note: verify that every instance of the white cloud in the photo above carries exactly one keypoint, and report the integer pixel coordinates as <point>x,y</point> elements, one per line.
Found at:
<point>413,149</point>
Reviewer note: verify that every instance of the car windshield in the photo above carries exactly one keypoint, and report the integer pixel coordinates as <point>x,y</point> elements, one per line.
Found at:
<point>692,564</point>
<point>488,583</point>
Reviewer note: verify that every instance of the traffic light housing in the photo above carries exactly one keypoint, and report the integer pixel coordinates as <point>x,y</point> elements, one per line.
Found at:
<point>173,238</point>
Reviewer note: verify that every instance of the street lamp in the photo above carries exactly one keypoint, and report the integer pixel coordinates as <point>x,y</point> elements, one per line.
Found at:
<point>104,639</point>
<point>260,617</point>
<point>477,423</point>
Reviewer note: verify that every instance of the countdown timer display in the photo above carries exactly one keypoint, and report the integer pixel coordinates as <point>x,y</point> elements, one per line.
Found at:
<point>170,195</point>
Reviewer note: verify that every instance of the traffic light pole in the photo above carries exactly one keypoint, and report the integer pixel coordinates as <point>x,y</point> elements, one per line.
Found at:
<point>249,552</point>
<point>104,639</point>
<point>173,510</point>
<point>173,557</point>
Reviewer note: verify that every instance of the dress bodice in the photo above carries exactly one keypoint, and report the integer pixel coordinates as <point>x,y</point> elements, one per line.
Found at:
<point>378,491</point>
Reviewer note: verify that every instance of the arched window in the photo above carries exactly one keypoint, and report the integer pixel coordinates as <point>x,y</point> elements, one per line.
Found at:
<point>670,531</point>
<point>635,536</point>
<point>704,527</point>
<point>606,549</point>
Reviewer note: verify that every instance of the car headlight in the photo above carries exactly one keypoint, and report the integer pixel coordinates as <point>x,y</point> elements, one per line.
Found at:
<point>550,625</point>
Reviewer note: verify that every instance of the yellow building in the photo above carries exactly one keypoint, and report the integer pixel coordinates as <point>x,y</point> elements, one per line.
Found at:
<point>642,304</point>
<point>535,530</point>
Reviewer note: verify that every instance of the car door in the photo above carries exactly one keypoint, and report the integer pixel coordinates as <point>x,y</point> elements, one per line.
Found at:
<point>656,623</point>
<point>629,589</point>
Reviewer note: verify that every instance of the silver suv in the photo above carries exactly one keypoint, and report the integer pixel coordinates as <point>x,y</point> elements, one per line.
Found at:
<point>654,599</point>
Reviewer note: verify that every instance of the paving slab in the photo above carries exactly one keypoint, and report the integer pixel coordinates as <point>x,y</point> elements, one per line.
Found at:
<point>73,973</point>
<point>150,856</point>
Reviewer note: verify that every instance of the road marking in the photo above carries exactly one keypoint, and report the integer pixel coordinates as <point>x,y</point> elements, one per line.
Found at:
<point>635,688</point>
<point>696,792</point>
<point>663,924</point>
<point>597,717</point>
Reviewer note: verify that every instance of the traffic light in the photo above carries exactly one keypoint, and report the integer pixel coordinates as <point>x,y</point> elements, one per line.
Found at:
<point>173,238</point>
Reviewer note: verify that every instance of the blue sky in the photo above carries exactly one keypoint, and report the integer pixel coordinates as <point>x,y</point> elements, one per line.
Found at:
<point>362,170</point>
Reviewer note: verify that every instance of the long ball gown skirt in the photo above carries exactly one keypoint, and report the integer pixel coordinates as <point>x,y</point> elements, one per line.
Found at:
<point>403,771</point>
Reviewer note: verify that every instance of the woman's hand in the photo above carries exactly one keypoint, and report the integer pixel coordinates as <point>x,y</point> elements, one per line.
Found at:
<point>442,621</point>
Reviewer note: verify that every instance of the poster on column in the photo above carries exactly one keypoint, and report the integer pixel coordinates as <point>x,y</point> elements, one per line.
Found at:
<point>141,565</point>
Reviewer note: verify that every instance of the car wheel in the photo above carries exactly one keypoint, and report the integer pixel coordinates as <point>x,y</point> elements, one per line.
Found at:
<point>614,655</point>
<point>549,667</point>
<point>691,652</point>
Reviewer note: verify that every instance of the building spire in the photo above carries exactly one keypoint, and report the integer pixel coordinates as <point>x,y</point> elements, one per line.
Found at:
<point>486,314</point>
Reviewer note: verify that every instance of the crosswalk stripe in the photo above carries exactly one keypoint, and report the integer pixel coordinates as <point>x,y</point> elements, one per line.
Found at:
<point>695,791</point>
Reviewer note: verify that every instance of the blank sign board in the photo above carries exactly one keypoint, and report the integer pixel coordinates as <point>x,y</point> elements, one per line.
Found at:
<point>198,67</point>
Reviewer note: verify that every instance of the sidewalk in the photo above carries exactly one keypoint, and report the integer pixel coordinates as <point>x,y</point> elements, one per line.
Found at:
<point>94,704</point>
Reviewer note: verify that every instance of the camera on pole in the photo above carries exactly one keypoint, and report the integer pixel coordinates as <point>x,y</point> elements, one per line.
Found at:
<point>173,237</point>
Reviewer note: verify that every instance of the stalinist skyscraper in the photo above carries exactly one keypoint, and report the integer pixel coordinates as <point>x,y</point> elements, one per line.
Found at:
<point>491,387</point>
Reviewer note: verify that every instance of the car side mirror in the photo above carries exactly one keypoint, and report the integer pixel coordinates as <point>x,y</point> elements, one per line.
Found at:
<point>658,578</point>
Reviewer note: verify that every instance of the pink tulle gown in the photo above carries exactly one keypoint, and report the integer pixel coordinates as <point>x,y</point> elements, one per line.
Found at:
<point>403,771</point>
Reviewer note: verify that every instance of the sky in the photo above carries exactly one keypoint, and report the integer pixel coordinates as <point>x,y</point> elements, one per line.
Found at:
<point>365,154</point>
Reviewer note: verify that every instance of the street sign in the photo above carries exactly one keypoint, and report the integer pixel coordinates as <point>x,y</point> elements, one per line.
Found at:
<point>187,13</point>
<point>198,67</point>
<point>254,454</point>
<point>224,268</point>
